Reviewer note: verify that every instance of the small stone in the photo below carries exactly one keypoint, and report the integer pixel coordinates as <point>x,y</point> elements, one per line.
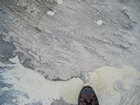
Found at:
<point>119,85</point>
<point>105,40</point>
<point>13,100</point>
<point>99,22</point>
<point>84,77</point>
<point>59,1</point>
<point>51,13</point>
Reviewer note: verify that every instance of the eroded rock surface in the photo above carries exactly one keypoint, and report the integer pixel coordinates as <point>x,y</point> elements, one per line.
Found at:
<point>59,40</point>
<point>64,41</point>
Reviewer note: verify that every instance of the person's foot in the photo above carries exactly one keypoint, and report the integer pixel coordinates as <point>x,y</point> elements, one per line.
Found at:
<point>87,97</point>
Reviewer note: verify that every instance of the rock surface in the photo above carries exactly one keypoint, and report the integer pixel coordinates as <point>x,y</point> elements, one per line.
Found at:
<point>63,42</point>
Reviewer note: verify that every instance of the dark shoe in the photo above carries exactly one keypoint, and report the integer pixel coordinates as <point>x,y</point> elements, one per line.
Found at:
<point>87,97</point>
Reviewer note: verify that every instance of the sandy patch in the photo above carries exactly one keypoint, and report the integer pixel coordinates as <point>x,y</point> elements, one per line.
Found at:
<point>108,83</point>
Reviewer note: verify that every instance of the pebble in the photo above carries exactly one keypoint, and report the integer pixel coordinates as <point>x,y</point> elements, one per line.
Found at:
<point>51,13</point>
<point>59,1</point>
<point>99,22</point>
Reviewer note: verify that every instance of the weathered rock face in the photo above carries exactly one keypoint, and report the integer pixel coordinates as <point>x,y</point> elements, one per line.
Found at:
<point>62,38</point>
<point>6,50</point>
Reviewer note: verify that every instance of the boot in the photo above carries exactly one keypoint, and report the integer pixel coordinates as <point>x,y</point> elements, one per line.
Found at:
<point>87,96</point>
